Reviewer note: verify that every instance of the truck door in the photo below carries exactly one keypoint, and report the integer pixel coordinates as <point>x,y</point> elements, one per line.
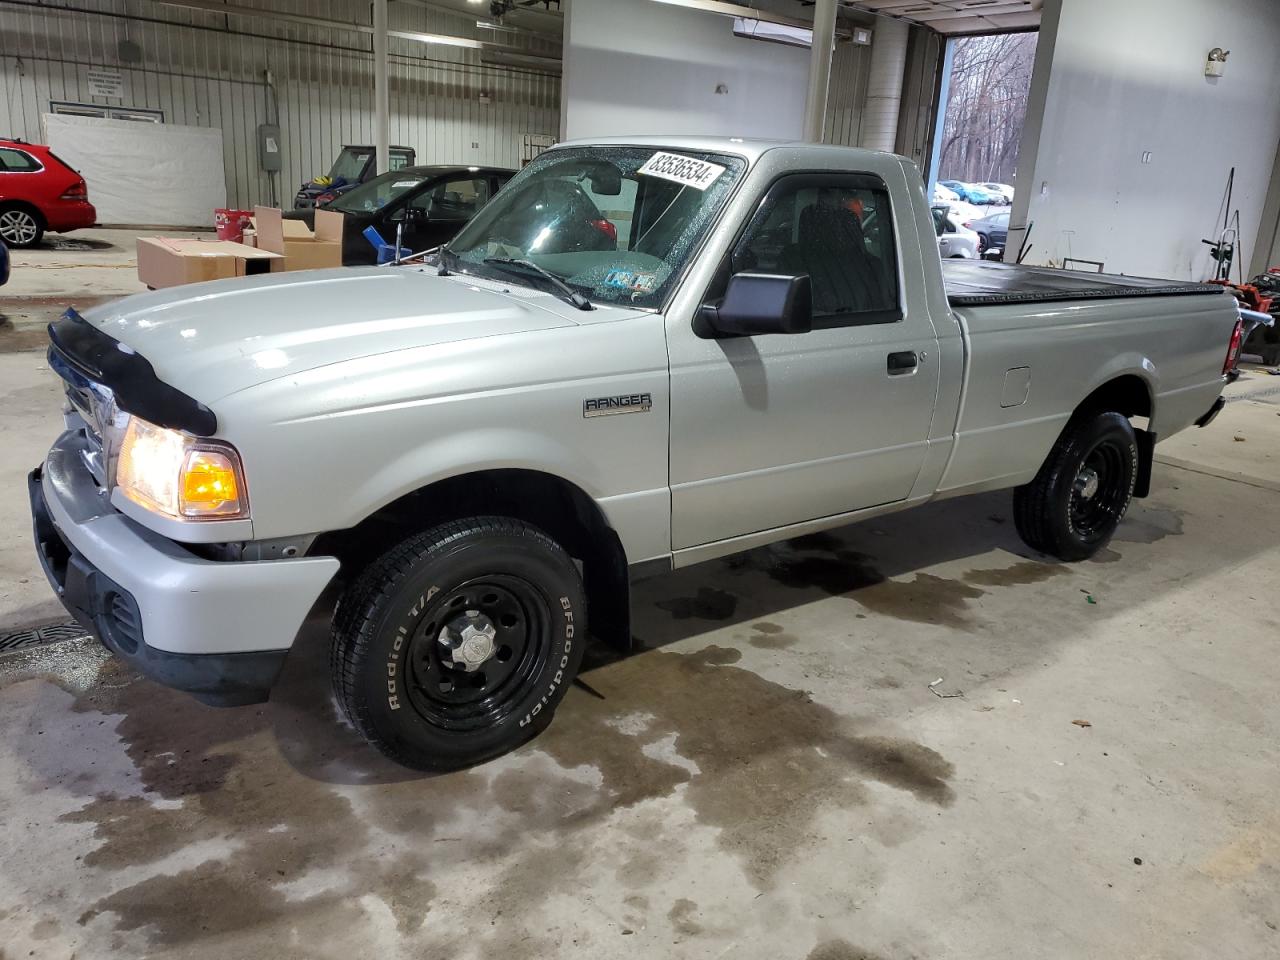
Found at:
<point>774,430</point>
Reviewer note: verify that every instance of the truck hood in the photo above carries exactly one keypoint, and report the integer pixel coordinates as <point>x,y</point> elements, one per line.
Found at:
<point>210,340</point>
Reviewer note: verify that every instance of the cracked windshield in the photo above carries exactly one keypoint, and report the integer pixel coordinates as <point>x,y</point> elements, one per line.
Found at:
<point>613,224</point>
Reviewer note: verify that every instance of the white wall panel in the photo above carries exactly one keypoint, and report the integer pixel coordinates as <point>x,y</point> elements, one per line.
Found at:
<point>635,67</point>
<point>208,69</point>
<point>1115,82</point>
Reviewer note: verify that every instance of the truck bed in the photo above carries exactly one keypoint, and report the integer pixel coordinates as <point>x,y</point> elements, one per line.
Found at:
<point>973,283</point>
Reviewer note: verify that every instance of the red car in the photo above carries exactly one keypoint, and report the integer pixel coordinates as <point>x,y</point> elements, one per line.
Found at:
<point>39,192</point>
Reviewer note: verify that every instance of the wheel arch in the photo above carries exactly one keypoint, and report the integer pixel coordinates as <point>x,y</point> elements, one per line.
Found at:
<point>16,203</point>
<point>558,507</point>
<point>1128,393</point>
<point>1132,395</point>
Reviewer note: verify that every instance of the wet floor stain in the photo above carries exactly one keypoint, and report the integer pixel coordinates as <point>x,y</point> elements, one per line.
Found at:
<point>758,747</point>
<point>924,598</point>
<point>1105,555</point>
<point>707,604</point>
<point>836,572</point>
<point>682,915</point>
<point>840,950</point>
<point>1149,525</point>
<point>1027,571</point>
<point>14,338</point>
<point>770,636</point>
<point>756,760</point>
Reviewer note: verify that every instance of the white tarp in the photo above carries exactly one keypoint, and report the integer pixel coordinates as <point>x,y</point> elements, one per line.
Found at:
<point>143,173</point>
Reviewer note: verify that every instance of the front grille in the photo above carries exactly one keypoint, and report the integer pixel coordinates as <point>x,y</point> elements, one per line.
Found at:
<point>91,409</point>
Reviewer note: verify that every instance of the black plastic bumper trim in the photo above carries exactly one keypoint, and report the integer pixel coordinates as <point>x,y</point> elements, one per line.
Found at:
<point>128,375</point>
<point>94,599</point>
<point>1208,417</point>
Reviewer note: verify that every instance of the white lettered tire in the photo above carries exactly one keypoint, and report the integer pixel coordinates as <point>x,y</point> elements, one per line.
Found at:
<point>456,645</point>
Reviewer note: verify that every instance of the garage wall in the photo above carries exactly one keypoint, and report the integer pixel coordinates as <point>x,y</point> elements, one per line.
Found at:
<point>638,67</point>
<point>1118,79</point>
<point>206,69</point>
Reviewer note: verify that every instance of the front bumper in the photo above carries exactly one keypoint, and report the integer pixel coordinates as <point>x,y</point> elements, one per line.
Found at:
<point>218,630</point>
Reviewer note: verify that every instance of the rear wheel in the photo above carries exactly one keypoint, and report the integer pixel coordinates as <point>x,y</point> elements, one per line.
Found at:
<point>457,645</point>
<point>20,226</point>
<point>983,243</point>
<point>1074,504</point>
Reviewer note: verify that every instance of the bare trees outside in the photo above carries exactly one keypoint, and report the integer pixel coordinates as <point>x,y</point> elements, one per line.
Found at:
<point>990,81</point>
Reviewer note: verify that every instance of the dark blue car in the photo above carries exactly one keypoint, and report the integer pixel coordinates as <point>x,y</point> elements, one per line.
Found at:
<point>4,264</point>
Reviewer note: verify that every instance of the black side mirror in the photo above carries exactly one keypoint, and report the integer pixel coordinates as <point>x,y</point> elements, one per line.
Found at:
<point>758,303</point>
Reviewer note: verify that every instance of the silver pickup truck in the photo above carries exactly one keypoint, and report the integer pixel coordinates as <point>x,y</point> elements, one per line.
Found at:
<point>641,355</point>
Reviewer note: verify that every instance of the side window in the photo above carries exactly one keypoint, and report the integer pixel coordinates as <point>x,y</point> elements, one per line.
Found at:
<point>836,228</point>
<point>16,161</point>
<point>454,199</point>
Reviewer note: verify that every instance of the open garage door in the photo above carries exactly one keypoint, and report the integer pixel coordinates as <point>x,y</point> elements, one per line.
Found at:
<point>984,93</point>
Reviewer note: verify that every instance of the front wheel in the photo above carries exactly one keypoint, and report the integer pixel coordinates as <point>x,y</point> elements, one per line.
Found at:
<point>1073,506</point>
<point>456,646</point>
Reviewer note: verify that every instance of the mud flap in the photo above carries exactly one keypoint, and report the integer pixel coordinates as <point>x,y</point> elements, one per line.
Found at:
<point>1146,457</point>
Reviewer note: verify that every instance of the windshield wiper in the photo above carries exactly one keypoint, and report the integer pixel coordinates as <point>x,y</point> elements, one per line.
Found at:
<point>561,289</point>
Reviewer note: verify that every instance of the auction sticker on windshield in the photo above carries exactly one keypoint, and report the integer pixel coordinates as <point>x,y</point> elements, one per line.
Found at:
<point>685,170</point>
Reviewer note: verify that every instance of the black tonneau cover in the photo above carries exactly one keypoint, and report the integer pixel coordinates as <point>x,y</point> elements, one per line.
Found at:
<point>973,283</point>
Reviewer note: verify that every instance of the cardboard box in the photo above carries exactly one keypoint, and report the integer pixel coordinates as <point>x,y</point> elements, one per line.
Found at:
<point>303,249</point>
<point>169,261</point>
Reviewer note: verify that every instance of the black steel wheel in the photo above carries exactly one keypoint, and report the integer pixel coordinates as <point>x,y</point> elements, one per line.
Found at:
<point>475,650</point>
<point>457,645</point>
<point>1073,506</point>
<point>1100,491</point>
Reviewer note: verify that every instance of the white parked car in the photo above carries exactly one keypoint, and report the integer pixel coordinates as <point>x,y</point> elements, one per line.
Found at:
<point>943,194</point>
<point>954,239</point>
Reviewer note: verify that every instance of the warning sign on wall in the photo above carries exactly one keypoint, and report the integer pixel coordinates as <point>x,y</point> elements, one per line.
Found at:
<point>104,83</point>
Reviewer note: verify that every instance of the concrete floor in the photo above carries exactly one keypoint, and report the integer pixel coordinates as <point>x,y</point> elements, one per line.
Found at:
<point>772,776</point>
<point>79,269</point>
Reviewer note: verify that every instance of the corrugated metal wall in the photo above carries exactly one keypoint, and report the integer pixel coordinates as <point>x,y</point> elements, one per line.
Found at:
<point>209,69</point>
<point>921,80</point>
<point>847,93</point>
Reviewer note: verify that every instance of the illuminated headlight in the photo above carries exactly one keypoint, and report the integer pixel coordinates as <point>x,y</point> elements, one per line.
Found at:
<point>180,476</point>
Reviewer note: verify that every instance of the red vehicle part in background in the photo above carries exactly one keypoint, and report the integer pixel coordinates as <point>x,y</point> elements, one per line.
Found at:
<point>39,192</point>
